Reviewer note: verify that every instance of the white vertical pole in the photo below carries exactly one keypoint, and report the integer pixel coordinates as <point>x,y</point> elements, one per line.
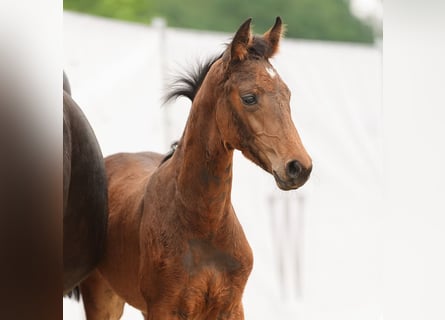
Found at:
<point>160,25</point>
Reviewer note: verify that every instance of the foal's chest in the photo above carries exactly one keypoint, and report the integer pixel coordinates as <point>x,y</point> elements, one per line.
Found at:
<point>214,282</point>
<point>202,255</point>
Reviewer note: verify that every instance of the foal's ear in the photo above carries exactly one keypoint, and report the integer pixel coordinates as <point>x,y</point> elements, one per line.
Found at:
<point>241,41</point>
<point>273,37</point>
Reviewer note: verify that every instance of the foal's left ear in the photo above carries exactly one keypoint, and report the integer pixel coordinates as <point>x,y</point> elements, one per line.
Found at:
<point>241,41</point>
<point>273,37</point>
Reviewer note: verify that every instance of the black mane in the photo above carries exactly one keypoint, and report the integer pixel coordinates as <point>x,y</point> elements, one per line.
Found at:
<point>173,147</point>
<point>188,83</point>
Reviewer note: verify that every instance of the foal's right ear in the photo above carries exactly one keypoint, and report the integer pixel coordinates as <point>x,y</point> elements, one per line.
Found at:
<point>241,41</point>
<point>273,36</point>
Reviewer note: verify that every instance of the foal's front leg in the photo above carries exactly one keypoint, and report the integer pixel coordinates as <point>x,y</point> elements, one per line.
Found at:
<point>160,310</point>
<point>157,310</point>
<point>237,313</point>
<point>158,306</point>
<point>99,300</point>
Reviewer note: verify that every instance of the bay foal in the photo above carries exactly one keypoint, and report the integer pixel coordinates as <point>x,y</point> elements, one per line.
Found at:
<point>175,248</point>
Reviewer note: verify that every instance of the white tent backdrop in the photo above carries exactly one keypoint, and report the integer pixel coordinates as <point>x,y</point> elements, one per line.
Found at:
<point>316,249</point>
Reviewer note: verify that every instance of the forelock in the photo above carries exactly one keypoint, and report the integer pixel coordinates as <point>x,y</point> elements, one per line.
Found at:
<point>259,48</point>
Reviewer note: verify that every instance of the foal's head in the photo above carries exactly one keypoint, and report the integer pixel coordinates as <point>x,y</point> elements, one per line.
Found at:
<point>252,110</point>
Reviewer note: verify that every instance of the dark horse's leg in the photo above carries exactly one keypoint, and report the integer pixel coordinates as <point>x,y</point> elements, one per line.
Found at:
<point>85,210</point>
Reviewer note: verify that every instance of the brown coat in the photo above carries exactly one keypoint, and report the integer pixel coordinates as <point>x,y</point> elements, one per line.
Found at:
<point>175,248</point>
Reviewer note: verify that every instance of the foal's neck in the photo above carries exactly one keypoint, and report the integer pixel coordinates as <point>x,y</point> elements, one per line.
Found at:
<point>204,178</point>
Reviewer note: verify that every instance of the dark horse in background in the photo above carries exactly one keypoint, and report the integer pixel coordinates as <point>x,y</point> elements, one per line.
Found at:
<point>85,201</point>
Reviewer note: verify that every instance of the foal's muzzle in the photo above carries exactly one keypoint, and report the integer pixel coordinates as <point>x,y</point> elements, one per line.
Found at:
<point>295,176</point>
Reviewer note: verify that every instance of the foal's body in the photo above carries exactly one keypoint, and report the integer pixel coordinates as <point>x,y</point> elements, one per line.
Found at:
<point>206,251</point>
<point>175,248</point>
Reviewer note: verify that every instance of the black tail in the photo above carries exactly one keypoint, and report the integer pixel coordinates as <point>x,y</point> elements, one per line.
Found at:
<point>74,293</point>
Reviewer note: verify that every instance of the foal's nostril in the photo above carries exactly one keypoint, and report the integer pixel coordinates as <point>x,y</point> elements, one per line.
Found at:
<point>293,169</point>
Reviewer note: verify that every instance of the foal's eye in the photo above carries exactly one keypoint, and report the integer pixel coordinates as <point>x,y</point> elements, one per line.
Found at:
<point>249,99</point>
